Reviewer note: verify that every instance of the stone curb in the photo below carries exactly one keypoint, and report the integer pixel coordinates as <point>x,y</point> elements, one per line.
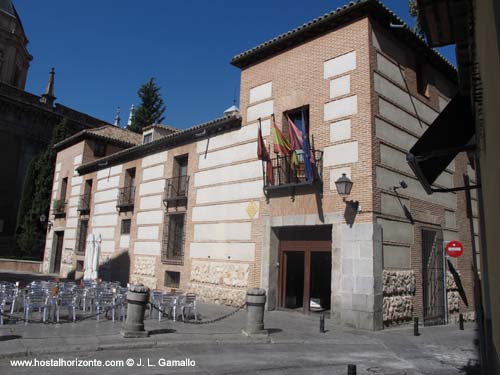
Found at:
<point>126,345</point>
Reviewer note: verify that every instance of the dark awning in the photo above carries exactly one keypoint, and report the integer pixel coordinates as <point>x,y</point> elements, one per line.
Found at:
<point>451,132</point>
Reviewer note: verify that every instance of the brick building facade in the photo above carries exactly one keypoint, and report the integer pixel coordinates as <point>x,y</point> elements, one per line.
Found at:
<point>189,209</point>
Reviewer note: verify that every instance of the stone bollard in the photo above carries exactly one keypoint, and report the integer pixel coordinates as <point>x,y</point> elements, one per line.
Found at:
<point>256,300</point>
<point>137,299</point>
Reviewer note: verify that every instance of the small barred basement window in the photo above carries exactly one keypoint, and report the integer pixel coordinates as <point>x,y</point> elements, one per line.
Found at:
<point>172,279</point>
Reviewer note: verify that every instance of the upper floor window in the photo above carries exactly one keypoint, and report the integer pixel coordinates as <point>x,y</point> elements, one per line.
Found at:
<point>180,172</point>
<point>125,227</point>
<point>99,148</point>
<point>147,138</point>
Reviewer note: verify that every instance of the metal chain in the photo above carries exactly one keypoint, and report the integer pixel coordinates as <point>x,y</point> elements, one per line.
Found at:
<point>218,319</point>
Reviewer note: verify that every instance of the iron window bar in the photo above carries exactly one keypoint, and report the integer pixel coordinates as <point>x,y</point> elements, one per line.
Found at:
<point>176,190</point>
<point>126,197</point>
<point>173,241</point>
<point>287,175</point>
<point>84,204</point>
<point>59,208</point>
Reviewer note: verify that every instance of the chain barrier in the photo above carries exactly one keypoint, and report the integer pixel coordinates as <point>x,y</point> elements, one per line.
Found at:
<point>196,322</point>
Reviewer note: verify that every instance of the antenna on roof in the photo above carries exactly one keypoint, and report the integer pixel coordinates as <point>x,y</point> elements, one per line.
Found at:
<point>117,118</point>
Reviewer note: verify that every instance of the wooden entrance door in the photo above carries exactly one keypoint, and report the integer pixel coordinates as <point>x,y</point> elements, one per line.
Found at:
<point>433,278</point>
<point>303,274</point>
<point>58,247</point>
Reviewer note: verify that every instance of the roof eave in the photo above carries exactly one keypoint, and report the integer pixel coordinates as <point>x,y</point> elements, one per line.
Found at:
<point>181,137</point>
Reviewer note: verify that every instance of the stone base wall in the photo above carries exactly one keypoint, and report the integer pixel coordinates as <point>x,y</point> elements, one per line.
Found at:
<point>399,295</point>
<point>218,295</point>
<point>144,271</point>
<point>452,294</point>
<point>219,282</point>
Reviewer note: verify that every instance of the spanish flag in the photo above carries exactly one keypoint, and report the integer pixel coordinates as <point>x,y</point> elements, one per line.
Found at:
<point>281,145</point>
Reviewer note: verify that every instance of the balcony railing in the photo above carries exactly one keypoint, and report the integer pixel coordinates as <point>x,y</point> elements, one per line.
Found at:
<point>84,204</point>
<point>286,174</point>
<point>176,190</point>
<point>126,197</point>
<point>59,208</point>
<point>171,254</point>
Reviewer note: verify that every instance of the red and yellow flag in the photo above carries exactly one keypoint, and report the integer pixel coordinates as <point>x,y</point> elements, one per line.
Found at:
<point>281,145</point>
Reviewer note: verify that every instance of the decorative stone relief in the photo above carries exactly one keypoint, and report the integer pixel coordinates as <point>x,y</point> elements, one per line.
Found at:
<point>67,257</point>
<point>218,273</point>
<point>452,294</point>
<point>145,266</point>
<point>399,292</point>
<point>219,295</point>
<point>399,282</point>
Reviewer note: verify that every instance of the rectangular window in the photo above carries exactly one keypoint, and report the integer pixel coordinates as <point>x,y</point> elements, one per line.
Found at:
<point>147,138</point>
<point>180,175</point>
<point>173,244</point>
<point>297,116</point>
<point>79,266</point>
<point>172,279</point>
<point>81,238</point>
<point>99,148</point>
<point>125,228</point>
<point>64,188</point>
<point>126,196</point>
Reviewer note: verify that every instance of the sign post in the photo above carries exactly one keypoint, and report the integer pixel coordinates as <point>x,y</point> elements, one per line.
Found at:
<point>454,249</point>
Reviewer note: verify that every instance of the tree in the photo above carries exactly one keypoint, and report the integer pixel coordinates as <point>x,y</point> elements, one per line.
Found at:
<point>36,197</point>
<point>151,109</point>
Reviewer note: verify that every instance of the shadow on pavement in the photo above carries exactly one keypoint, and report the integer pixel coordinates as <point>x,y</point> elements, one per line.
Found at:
<point>471,368</point>
<point>161,331</point>
<point>9,337</point>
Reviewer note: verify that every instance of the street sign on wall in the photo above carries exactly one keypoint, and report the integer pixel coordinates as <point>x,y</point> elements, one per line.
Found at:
<point>454,249</point>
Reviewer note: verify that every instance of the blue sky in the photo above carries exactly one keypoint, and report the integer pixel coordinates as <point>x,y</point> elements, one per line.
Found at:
<point>103,50</point>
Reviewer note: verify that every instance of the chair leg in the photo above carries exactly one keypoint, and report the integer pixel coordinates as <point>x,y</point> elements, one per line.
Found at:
<point>98,313</point>
<point>174,310</point>
<point>26,314</point>
<point>159,314</point>
<point>44,312</point>
<point>57,314</point>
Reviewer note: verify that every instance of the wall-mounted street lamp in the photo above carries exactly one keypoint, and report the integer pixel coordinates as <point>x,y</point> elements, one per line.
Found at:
<point>43,219</point>
<point>344,186</point>
<point>402,185</point>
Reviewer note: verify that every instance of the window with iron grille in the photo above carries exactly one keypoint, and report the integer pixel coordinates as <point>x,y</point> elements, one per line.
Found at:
<point>172,279</point>
<point>81,238</point>
<point>173,243</point>
<point>125,228</point>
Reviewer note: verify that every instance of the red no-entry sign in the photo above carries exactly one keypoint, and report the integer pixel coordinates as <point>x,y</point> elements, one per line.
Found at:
<point>454,249</point>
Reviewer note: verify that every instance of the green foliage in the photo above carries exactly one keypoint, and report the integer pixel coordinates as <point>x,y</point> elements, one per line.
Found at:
<point>151,109</point>
<point>35,200</point>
